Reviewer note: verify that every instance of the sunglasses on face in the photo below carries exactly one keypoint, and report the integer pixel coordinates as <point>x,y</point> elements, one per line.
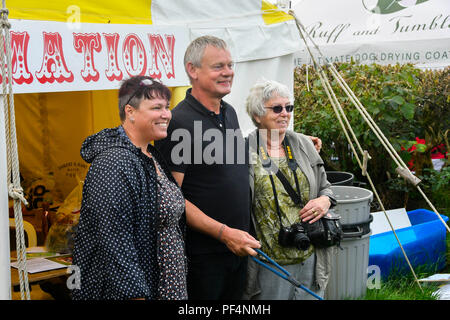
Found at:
<point>143,83</point>
<point>279,109</point>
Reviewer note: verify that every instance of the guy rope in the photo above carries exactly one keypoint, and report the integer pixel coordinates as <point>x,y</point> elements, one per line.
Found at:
<point>13,175</point>
<point>402,169</point>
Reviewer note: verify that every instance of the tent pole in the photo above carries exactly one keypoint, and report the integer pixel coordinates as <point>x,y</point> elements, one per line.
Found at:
<point>5,269</point>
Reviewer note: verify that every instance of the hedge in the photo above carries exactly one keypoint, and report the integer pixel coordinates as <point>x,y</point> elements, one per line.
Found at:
<point>405,102</point>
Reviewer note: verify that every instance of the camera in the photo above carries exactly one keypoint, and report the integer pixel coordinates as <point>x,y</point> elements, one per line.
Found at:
<point>294,236</point>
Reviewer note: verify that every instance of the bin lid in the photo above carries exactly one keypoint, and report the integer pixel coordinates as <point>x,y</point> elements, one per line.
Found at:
<point>347,194</point>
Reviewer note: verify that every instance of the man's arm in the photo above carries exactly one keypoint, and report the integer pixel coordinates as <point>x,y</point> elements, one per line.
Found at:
<point>239,242</point>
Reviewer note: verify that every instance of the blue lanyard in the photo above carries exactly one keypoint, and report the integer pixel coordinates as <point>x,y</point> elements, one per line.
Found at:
<point>287,276</point>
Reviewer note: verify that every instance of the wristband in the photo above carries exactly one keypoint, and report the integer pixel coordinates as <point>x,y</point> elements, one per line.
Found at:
<point>220,231</point>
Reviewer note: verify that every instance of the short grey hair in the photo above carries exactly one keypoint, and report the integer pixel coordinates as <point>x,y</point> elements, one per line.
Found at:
<point>196,49</point>
<point>260,93</point>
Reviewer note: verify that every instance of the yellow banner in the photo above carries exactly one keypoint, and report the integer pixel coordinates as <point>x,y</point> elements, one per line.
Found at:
<point>99,11</point>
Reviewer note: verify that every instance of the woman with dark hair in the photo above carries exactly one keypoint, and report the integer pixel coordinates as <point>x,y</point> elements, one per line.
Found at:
<point>129,242</point>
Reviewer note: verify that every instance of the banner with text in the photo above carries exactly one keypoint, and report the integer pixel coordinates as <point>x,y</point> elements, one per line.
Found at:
<point>55,56</point>
<point>378,31</point>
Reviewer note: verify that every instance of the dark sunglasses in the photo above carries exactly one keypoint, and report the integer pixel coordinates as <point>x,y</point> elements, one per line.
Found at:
<point>278,109</point>
<point>143,83</point>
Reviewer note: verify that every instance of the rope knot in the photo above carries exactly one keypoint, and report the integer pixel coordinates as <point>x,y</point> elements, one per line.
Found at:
<point>5,24</point>
<point>4,18</point>
<point>17,194</point>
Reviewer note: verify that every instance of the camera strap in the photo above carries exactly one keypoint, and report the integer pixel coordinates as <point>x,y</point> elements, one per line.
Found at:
<point>267,165</point>
<point>295,196</point>
<point>276,200</point>
<point>270,167</point>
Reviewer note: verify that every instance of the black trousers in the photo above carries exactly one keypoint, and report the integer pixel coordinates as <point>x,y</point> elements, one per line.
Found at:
<point>218,276</point>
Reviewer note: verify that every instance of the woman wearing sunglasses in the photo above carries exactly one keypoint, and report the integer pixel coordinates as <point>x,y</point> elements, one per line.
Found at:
<point>289,190</point>
<point>129,243</point>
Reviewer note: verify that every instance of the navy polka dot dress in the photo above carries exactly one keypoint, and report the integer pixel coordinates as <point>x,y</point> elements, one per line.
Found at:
<point>121,241</point>
<point>171,257</point>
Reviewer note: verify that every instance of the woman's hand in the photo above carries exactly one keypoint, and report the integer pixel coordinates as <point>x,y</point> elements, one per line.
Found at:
<point>315,209</point>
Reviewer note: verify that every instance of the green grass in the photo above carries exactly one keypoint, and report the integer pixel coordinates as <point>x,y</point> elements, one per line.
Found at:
<point>402,288</point>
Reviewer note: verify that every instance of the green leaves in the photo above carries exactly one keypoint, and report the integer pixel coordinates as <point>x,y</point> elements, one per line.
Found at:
<point>402,100</point>
<point>398,100</point>
<point>421,147</point>
<point>408,109</point>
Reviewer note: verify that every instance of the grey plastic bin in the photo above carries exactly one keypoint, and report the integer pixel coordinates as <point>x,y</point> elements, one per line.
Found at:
<point>340,178</point>
<point>348,277</point>
<point>353,203</point>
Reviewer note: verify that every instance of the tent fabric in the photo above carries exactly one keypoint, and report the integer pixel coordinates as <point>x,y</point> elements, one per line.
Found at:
<point>142,11</point>
<point>270,32</point>
<point>93,55</point>
<point>51,125</point>
<point>98,11</point>
<point>50,130</point>
<point>246,75</point>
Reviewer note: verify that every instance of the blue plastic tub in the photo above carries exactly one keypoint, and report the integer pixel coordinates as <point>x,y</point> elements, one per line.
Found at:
<point>424,244</point>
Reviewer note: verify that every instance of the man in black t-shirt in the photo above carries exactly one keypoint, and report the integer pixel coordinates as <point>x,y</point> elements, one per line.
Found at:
<point>206,153</point>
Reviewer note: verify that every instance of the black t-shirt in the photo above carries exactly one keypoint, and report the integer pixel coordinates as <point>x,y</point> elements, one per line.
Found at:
<point>210,150</point>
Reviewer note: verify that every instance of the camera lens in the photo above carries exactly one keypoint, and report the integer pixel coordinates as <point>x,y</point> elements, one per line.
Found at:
<point>301,241</point>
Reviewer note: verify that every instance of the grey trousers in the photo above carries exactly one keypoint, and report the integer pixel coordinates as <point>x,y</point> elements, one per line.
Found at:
<point>273,287</point>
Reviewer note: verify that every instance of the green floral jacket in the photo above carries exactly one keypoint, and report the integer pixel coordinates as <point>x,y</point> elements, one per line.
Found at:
<point>312,167</point>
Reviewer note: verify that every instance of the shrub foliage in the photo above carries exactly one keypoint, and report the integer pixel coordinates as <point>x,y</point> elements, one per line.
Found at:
<point>404,101</point>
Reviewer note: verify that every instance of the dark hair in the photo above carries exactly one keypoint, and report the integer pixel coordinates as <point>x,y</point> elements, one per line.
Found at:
<point>136,90</point>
